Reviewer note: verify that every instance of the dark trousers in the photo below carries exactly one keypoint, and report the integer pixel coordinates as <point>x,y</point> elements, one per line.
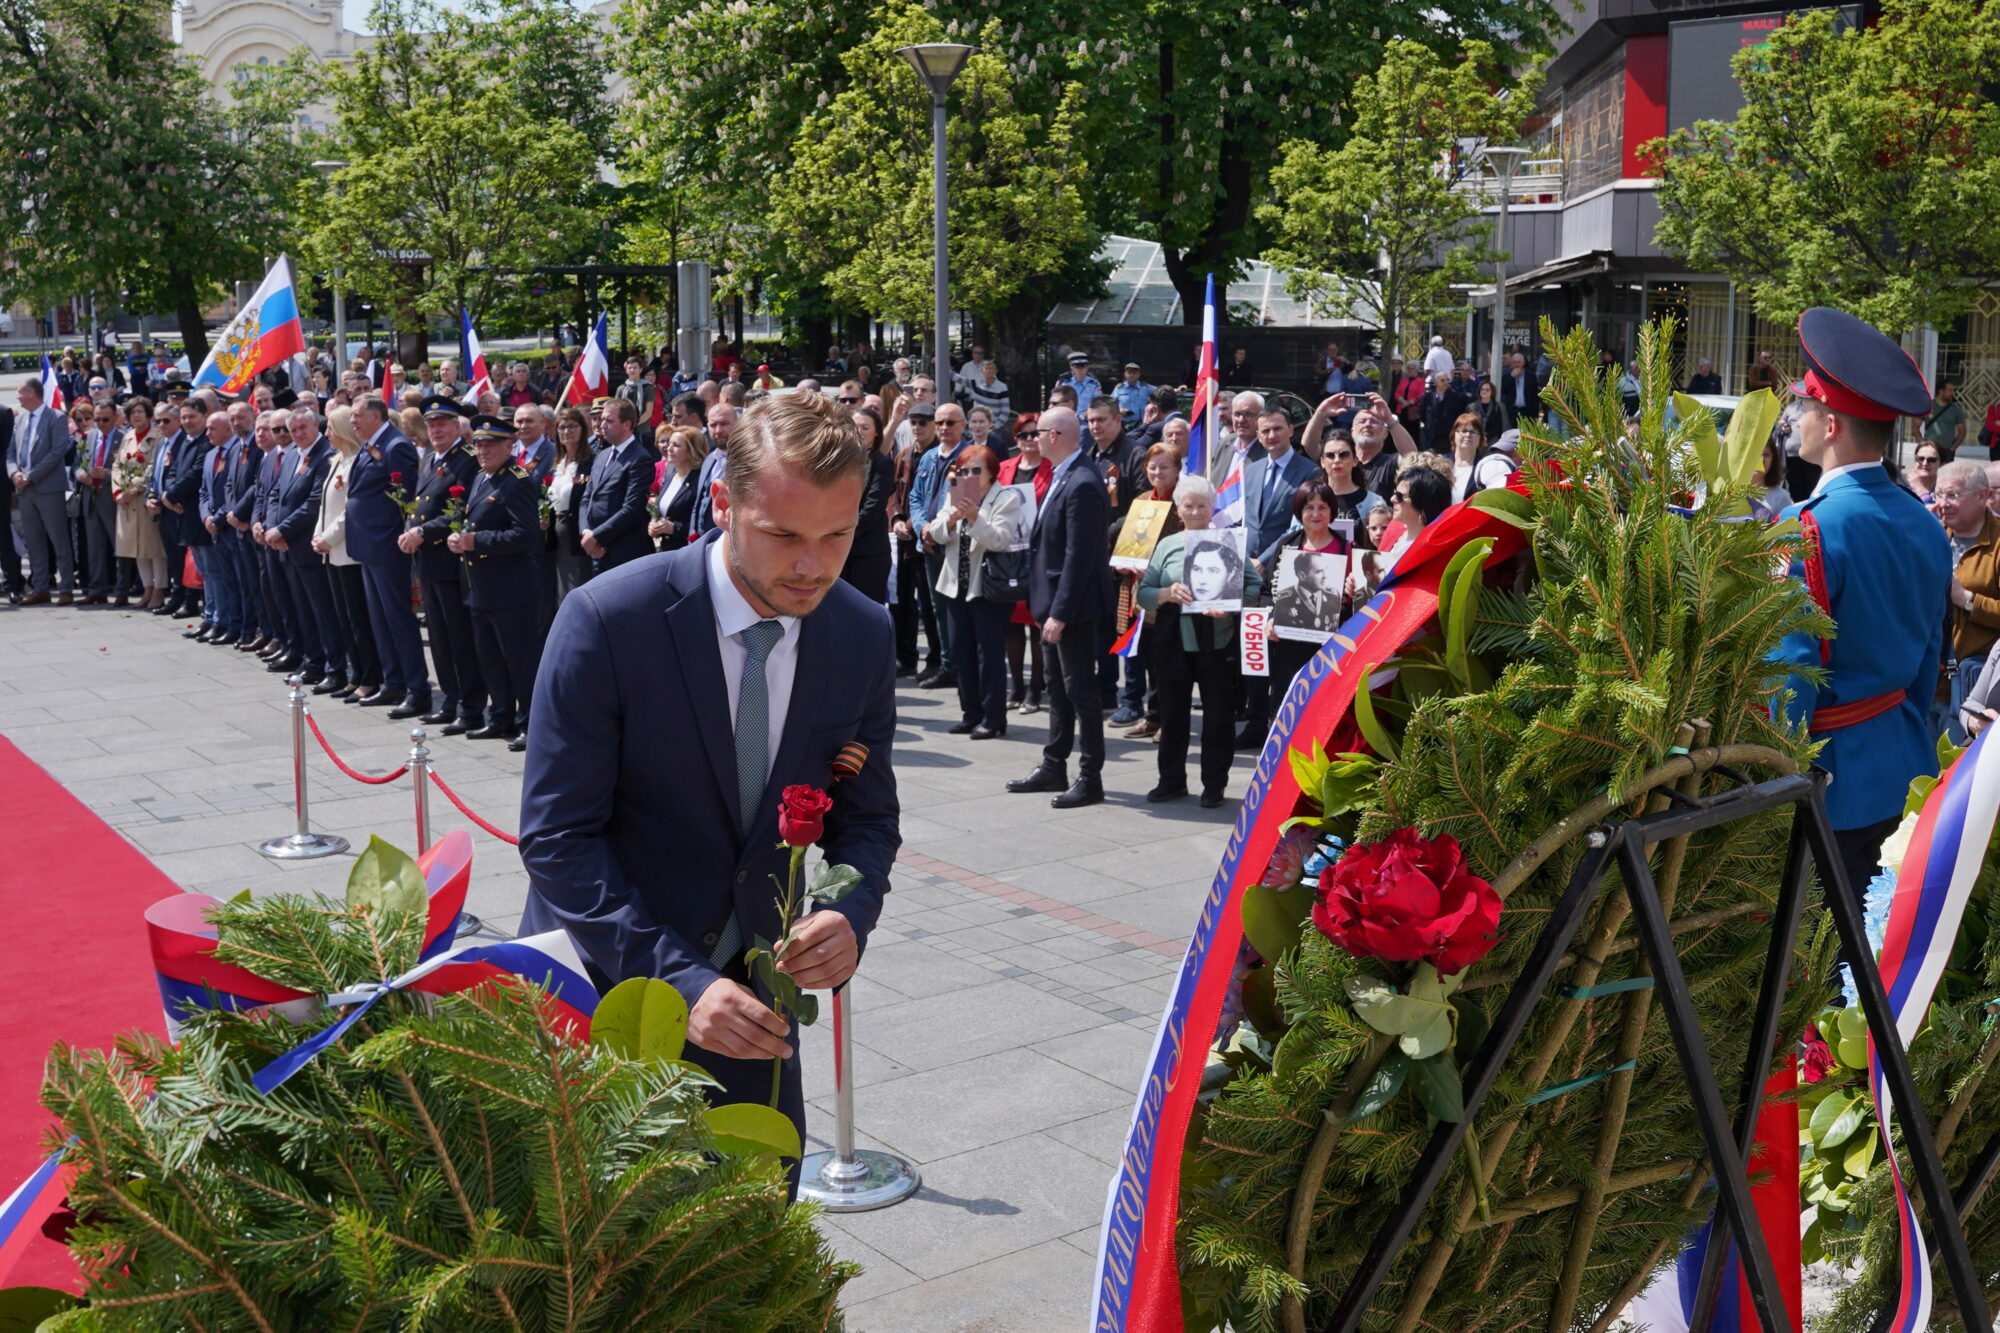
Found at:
<point>320,641</point>
<point>10,559</point>
<point>350,608</point>
<point>1217,675</point>
<point>509,643</point>
<point>223,588</point>
<point>242,558</point>
<point>285,622</point>
<point>205,562</point>
<point>927,571</point>
<point>904,612</point>
<point>979,646</point>
<point>176,564</point>
<point>1860,852</point>
<point>453,652</point>
<point>1024,654</point>
<point>1075,716</point>
<point>387,579</point>
<point>750,1081</point>
<point>1257,701</point>
<point>100,532</point>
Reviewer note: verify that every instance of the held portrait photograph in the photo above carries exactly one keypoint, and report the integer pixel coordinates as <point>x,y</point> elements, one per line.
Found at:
<point>1215,570</point>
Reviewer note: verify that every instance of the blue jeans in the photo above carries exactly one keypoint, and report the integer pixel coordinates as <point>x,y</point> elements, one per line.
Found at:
<point>1944,716</point>
<point>224,589</point>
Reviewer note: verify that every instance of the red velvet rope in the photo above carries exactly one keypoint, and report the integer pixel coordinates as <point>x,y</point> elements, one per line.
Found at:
<point>358,777</point>
<point>465,810</point>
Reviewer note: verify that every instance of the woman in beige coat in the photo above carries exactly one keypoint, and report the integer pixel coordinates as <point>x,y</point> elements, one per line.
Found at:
<point>137,535</point>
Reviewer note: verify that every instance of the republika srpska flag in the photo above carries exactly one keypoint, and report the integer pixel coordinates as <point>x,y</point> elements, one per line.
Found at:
<point>1201,421</point>
<point>478,379</point>
<point>263,334</point>
<point>591,380</point>
<point>52,395</point>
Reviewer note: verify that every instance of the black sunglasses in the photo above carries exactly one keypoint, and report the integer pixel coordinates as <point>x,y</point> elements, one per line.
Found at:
<point>1026,434</point>
<point>1404,496</point>
<point>848,400</point>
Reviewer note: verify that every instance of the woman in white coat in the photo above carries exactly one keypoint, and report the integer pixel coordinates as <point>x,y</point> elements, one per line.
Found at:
<point>978,527</point>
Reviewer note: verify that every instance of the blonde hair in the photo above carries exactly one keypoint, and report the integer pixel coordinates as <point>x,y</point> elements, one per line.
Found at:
<point>340,425</point>
<point>697,446</point>
<point>810,433</point>
<point>1425,458</point>
<point>412,419</point>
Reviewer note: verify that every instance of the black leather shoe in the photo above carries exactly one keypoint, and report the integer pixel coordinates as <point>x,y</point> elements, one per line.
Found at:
<point>256,644</point>
<point>943,680</point>
<point>440,716</point>
<point>199,633</point>
<point>311,676</point>
<point>1082,792</point>
<point>356,692</point>
<point>414,706</point>
<point>985,733</point>
<point>961,729</point>
<point>519,745</point>
<point>458,727</point>
<point>1042,779</point>
<point>281,665</point>
<point>383,698</point>
<point>226,639</point>
<point>333,684</point>
<point>1165,793</point>
<point>1211,800</point>
<point>164,609</point>
<point>492,733</point>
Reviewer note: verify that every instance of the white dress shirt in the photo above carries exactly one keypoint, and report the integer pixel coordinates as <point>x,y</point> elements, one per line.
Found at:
<point>733,615</point>
<point>1841,471</point>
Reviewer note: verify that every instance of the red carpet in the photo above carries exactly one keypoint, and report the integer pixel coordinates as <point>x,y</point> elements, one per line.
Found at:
<point>74,894</point>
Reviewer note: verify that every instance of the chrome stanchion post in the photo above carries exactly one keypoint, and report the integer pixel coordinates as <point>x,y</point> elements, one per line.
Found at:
<point>420,774</point>
<point>303,844</point>
<point>850,1180</point>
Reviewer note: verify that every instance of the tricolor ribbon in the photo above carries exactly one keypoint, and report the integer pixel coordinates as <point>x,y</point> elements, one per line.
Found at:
<point>1940,867</point>
<point>22,1213</point>
<point>548,959</point>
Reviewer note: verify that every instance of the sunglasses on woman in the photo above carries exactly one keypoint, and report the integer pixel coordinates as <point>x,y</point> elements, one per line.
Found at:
<point>1403,496</point>
<point>1026,434</point>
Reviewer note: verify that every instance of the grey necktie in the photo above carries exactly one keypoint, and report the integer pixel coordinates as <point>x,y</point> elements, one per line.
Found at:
<point>753,747</point>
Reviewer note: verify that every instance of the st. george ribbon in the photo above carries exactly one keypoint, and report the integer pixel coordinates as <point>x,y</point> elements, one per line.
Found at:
<point>1138,1280</point>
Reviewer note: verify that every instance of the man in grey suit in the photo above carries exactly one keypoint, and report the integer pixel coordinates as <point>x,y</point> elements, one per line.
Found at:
<point>99,514</point>
<point>39,464</point>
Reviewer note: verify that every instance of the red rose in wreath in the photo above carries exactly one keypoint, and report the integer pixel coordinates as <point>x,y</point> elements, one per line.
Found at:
<point>1409,899</point>
<point>802,815</point>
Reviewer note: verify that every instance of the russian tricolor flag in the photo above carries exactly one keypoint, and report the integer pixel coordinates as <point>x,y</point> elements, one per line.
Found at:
<point>52,394</point>
<point>1201,425</point>
<point>263,334</point>
<point>478,379</point>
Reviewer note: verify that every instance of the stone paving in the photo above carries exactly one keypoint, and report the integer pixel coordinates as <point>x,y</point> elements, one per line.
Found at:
<point>1001,1016</point>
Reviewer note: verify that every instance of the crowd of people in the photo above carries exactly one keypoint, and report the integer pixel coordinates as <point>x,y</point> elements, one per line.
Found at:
<point>334,533</point>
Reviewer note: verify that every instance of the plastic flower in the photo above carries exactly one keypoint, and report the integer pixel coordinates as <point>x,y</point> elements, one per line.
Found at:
<point>1409,899</point>
<point>1288,859</point>
<point>1897,845</point>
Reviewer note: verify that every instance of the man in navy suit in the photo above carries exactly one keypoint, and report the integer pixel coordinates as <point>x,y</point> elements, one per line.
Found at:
<point>614,500</point>
<point>1070,594</point>
<point>173,443</point>
<point>378,486</point>
<point>186,484</point>
<point>678,697</point>
<point>288,531</point>
<point>284,649</point>
<point>222,590</point>
<point>1268,485</point>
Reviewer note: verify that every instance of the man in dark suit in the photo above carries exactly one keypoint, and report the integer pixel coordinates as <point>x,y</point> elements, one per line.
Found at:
<point>678,697</point>
<point>1521,392</point>
<point>288,532</point>
<point>97,512</point>
<point>183,498</point>
<point>614,500</point>
<point>284,648</point>
<point>173,443</point>
<point>447,466</point>
<point>1441,405</point>
<point>10,560</point>
<point>1268,485</point>
<point>378,486</point>
<point>1070,593</point>
<point>223,592</point>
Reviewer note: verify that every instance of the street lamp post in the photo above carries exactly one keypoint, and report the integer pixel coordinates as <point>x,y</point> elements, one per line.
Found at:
<point>937,64</point>
<point>328,167</point>
<point>1503,161</point>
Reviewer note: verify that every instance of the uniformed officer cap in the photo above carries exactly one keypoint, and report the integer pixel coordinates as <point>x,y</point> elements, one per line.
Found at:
<point>1079,358</point>
<point>491,428</point>
<point>284,398</point>
<point>177,389</point>
<point>439,405</point>
<point>1856,370</point>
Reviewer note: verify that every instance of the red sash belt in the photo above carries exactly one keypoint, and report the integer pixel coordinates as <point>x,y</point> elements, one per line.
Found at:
<point>1841,716</point>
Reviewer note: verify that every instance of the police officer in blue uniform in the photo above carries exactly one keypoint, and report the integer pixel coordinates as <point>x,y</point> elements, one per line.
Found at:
<point>498,540</point>
<point>448,465</point>
<point>1880,565</point>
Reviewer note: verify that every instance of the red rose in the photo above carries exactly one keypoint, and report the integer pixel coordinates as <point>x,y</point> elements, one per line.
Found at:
<point>548,482</point>
<point>395,479</point>
<point>655,488</point>
<point>458,492</point>
<point>1818,1057</point>
<point>802,815</point>
<point>1406,899</point>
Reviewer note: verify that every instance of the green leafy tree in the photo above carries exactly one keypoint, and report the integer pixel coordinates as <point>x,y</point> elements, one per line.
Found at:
<point>858,195</point>
<point>1863,171</point>
<point>456,175</point>
<point>124,179</point>
<point>1391,201</point>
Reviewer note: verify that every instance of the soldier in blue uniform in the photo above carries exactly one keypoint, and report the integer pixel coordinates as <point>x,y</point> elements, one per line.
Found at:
<point>447,466</point>
<point>499,540</point>
<point>1880,565</point>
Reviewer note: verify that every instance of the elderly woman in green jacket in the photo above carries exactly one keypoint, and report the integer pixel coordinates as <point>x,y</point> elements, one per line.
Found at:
<point>1190,649</point>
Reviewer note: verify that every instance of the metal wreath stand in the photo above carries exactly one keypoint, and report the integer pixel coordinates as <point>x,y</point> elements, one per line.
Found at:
<point>1673,813</point>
